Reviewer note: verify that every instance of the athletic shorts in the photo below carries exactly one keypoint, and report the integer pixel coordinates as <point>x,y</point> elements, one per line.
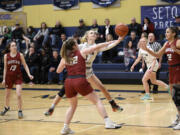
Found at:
<point>77,85</point>
<point>13,79</point>
<point>155,68</point>
<point>174,74</point>
<point>89,72</point>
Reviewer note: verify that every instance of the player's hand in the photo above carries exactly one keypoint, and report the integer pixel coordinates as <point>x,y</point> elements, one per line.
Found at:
<point>3,82</point>
<point>132,68</point>
<point>31,77</point>
<point>120,38</point>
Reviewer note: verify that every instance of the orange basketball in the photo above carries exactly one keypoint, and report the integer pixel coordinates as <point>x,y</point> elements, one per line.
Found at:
<point>121,29</point>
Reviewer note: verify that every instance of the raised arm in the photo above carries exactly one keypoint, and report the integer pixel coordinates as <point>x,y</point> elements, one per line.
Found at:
<point>98,47</point>
<point>61,66</point>
<point>5,69</point>
<point>155,54</point>
<point>113,44</point>
<point>25,66</point>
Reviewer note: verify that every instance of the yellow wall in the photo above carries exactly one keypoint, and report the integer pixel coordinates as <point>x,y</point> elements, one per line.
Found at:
<point>128,9</point>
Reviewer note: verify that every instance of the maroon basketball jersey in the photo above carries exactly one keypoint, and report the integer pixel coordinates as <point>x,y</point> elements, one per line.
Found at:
<point>13,64</point>
<point>77,64</point>
<point>173,57</point>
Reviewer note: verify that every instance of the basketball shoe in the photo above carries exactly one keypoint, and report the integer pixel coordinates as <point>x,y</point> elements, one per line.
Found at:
<point>5,111</point>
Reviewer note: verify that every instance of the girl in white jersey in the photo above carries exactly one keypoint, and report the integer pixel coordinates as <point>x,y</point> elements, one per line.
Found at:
<point>90,38</point>
<point>152,65</point>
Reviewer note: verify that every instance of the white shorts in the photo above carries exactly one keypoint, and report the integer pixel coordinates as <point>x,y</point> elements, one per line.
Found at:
<point>89,72</point>
<point>155,67</point>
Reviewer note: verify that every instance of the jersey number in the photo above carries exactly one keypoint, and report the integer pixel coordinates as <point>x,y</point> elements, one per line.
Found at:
<point>74,60</point>
<point>13,68</point>
<point>169,57</point>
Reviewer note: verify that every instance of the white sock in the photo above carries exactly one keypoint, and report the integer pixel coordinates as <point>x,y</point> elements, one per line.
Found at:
<point>106,119</point>
<point>66,125</point>
<point>53,106</point>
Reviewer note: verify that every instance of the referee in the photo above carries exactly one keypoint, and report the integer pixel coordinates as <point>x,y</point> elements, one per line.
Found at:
<point>156,47</point>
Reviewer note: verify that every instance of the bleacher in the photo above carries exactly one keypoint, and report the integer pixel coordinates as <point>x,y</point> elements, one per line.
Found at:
<point>115,74</point>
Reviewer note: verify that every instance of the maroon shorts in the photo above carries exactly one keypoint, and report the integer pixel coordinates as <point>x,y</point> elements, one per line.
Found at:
<point>13,79</point>
<point>77,85</point>
<point>174,74</point>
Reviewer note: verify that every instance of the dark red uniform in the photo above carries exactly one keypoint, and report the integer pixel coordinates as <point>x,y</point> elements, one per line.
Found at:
<point>76,81</point>
<point>13,73</point>
<point>174,63</point>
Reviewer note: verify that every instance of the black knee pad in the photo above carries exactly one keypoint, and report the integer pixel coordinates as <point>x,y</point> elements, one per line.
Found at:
<point>176,95</point>
<point>61,92</point>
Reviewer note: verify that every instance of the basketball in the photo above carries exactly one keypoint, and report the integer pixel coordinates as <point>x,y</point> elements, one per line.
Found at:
<point>121,29</point>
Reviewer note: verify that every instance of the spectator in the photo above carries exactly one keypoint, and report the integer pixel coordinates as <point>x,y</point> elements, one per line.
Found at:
<point>95,26</point>
<point>177,24</point>
<point>107,29</point>
<point>129,55</point>
<point>42,36</point>
<point>148,26</point>
<point>6,36</point>
<point>134,26</point>
<point>107,56</point>
<point>54,62</point>
<point>63,39</point>
<point>32,62</point>
<point>81,29</point>
<point>18,36</point>
<point>133,38</point>
<point>55,34</point>
<point>31,33</point>
<point>45,64</point>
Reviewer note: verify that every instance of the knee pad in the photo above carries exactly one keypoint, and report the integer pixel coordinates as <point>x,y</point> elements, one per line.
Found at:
<point>176,95</point>
<point>61,92</point>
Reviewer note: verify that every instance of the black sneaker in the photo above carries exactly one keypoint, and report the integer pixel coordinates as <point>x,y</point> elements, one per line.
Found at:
<point>115,107</point>
<point>20,114</point>
<point>49,112</point>
<point>5,111</point>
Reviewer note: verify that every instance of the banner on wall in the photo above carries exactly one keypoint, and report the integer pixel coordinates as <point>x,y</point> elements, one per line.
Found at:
<point>10,19</point>
<point>166,2</point>
<point>103,3</point>
<point>116,3</point>
<point>65,4</point>
<point>161,16</point>
<point>10,5</point>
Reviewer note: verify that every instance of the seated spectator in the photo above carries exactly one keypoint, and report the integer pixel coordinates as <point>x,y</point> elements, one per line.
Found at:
<point>134,26</point>
<point>31,33</point>
<point>95,26</point>
<point>55,34</point>
<point>6,36</point>
<point>54,62</point>
<point>32,62</point>
<point>99,39</point>
<point>42,36</point>
<point>129,55</point>
<point>44,66</point>
<point>62,40</point>
<point>148,26</point>
<point>107,56</point>
<point>107,29</point>
<point>18,36</point>
<point>133,38</point>
<point>81,29</point>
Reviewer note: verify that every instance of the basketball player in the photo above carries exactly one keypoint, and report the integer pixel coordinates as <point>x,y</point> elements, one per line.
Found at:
<point>89,40</point>
<point>152,67</point>
<point>12,75</point>
<point>74,61</point>
<point>172,49</point>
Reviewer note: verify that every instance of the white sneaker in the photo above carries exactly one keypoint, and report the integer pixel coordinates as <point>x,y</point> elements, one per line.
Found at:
<point>176,121</point>
<point>177,127</point>
<point>111,125</point>
<point>66,131</point>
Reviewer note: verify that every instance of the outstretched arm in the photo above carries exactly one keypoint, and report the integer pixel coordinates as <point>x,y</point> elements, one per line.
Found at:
<point>61,66</point>
<point>113,44</point>
<point>92,49</point>
<point>155,54</point>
